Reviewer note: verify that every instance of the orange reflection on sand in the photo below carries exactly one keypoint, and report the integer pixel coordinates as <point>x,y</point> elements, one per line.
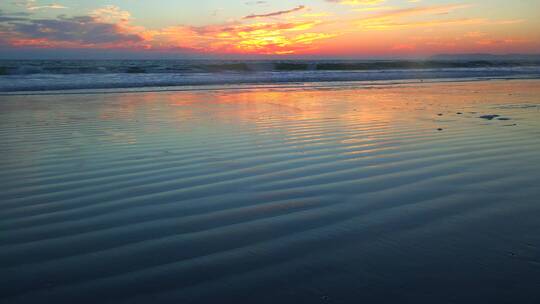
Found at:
<point>375,110</point>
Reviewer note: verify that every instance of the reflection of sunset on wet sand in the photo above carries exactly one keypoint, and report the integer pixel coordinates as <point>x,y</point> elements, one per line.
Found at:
<point>416,105</point>
<point>272,195</point>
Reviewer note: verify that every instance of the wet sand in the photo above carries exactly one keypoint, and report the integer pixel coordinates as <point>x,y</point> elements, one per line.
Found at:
<point>425,193</point>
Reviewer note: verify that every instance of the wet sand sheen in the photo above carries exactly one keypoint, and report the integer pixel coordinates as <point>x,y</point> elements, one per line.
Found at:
<point>411,193</point>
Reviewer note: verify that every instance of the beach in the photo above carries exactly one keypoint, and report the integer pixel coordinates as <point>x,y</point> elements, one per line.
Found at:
<point>424,192</point>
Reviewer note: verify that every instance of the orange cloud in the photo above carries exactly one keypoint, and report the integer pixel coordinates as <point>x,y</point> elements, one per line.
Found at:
<point>384,24</point>
<point>389,19</point>
<point>255,38</point>
<point>422,10</point>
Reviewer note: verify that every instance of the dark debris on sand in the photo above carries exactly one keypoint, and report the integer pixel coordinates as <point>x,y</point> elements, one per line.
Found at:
<point>489,117</point>
<point>494,116</point>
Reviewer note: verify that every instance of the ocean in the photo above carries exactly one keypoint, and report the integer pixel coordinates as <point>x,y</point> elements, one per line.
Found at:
<point>59,75</point>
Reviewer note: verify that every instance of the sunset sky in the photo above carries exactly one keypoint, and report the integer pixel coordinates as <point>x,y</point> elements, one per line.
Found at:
<point>346,28</point>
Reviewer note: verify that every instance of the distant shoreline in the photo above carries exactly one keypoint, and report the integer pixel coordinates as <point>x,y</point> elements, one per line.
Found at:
<point>274,86</point>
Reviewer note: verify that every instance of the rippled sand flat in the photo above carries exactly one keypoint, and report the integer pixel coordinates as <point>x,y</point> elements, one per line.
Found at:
<point>424,193</point>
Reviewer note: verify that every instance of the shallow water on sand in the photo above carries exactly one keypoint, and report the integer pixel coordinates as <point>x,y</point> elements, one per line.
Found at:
<point>325,195</point>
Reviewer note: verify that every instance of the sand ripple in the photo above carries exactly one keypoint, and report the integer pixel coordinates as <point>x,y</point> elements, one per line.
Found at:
<point>304,195</point>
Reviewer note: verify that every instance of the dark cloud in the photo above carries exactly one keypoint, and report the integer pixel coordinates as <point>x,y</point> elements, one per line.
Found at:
<point>20,14</point>
<point>278,13</point>
<point>80,29</point>
<point>7,17</point>
<point>3,41</point>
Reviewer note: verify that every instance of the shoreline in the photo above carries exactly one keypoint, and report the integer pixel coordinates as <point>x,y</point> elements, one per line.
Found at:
<point>270,86</point>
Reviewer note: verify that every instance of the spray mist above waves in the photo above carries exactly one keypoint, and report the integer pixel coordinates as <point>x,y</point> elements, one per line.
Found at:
<point>45,75</point>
